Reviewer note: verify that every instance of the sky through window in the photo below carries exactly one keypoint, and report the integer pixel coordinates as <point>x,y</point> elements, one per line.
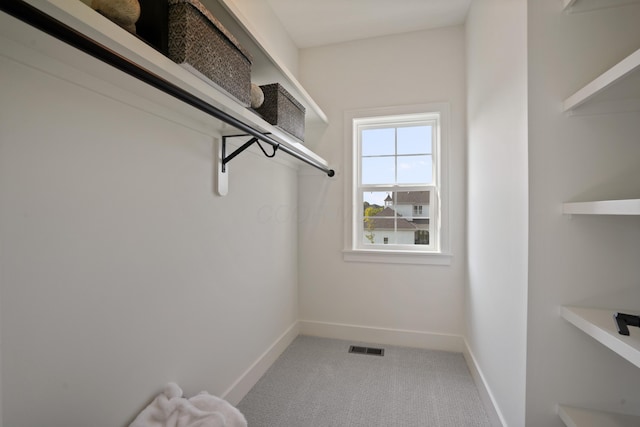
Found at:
<point>396,155</point>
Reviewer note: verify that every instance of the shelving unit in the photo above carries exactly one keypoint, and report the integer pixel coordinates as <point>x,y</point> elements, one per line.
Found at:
<point>579,417</point>
<point>21,42</point>
<point>603,207</point>
<point>622,81</point>
<point>615,90</point>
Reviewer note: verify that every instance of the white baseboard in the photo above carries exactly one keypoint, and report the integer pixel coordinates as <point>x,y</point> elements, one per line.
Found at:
<point>399,337</point>
<point>250,377</point>
<point>494,414</point>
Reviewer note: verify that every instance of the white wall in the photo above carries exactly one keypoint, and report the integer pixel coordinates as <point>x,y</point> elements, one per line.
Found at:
<point>120,268</point>
<point>496,293</point>
<point>580,260</point>
<point>414,68</point>
<point>1,286</point>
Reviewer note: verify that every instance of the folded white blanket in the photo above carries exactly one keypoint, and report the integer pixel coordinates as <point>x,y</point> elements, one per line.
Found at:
<point>170,409</point>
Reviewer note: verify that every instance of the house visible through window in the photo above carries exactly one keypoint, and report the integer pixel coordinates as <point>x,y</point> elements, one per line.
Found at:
<point>396,182</point>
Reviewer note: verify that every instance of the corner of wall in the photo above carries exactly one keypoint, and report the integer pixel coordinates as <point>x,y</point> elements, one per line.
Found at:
<point>493,412</point>
<point>497,194</point>
<point>250,377</point>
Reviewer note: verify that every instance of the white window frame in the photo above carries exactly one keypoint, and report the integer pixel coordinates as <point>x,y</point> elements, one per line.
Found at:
<point>438,252</point>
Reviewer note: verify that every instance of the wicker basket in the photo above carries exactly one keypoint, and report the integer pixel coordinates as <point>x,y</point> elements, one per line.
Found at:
<point>200,43</point>
<point>281,109</point>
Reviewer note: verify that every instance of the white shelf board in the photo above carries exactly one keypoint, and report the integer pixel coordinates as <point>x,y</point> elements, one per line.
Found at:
<point>622,79</point>
<point>580,417</point>
<point>285,76</point>
<point>603,207</point>
<point>82,18</point>
<point>600,325</point>
<point>586,5</point>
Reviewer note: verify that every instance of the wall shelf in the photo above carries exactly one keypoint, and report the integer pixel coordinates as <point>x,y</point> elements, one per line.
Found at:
<point>619,82</point>
<point>101,31</point>
<point>579,417</point>
<point>271,67</point>
<point>603,207</point>
<point>599,324</point>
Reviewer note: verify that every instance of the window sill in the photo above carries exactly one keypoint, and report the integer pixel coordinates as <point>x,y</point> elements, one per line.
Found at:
<point>397,257</point>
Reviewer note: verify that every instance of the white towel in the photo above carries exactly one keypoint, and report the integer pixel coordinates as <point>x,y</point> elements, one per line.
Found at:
<point>170,409</point>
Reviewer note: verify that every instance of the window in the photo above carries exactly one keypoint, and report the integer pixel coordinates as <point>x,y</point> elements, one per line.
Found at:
<point>396,187</point>
<point>422,237</point>
<point>397,170</point>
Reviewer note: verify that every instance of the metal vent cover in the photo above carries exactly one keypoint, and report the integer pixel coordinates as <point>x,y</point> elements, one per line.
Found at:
<point>366,350</point>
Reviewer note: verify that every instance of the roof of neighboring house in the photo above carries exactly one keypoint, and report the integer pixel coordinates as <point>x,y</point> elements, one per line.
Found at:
<point>411,198</point>
<point>385,220</point>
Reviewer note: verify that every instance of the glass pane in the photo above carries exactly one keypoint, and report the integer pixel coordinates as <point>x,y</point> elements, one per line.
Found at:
<point>415,140</point>
<point>415,170</point>
<point>378,170</point>
<point>377,142</point>
<point>379,219</point>
<point>379,231</point>
<point>400,218</point>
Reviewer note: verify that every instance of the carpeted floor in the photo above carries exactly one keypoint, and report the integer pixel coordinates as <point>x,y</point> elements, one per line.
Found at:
<point>317,383</point>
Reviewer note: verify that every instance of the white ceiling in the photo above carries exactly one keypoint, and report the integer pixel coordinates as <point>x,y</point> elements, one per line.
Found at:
<point>319,22</point>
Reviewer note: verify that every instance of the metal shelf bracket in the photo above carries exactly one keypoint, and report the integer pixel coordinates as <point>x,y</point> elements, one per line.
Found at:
<point>226,159</point>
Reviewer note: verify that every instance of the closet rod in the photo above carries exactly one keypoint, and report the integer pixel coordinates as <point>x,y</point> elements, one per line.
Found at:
<point>36,18</point>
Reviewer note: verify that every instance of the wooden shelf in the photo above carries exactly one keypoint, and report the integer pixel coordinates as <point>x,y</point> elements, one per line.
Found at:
<point>603,207</point>
<point>579,417</point>
<point>600,325</point>
<point>65,60</point>
<point>586,5</point>
<point>619,82</point>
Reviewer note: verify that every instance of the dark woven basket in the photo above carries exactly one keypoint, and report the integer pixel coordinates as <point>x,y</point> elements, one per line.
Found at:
<point>281,109</point>
<point>197,39</point>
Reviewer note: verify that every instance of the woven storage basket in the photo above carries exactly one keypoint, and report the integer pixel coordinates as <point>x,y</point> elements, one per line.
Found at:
<point>200,43</point>
<point>281,109</point>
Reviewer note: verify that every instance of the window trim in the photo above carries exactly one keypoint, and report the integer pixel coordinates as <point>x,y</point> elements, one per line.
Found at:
<point>438,256</point>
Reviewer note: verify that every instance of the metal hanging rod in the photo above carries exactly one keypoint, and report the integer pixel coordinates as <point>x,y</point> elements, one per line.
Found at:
<point>40,20</point>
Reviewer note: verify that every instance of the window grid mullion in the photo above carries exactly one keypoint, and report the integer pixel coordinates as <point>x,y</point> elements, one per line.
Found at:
<point>395,153</point>
<point>394,194</point>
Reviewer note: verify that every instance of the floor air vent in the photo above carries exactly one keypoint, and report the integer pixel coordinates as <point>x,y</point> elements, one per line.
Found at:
<point>366,350</point>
